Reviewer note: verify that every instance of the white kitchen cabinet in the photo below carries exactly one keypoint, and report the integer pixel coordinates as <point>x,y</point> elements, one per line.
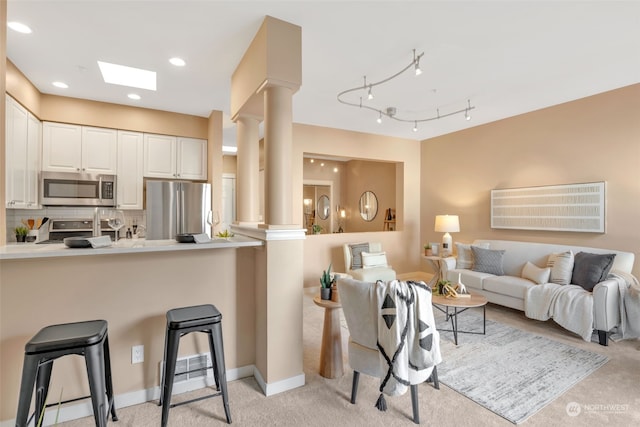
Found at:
<point>171,157</point>
<point>130,168</point>
<point>22,145</point>
<point>73,148</point>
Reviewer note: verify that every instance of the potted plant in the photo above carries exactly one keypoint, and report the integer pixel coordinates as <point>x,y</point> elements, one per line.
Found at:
<point>316,228</point>
<point>441,286</point>
<point>325,284</point>
<point>427,250</point>
<point>21,233</point>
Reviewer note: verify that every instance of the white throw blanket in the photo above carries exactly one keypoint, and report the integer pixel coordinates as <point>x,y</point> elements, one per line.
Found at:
<point>408,341</point>
<point>629,289</point>
<point>570,306</point>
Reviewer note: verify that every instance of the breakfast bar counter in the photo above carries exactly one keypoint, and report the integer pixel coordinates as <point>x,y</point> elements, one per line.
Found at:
<point>131,285</point>
<point>123,246</point>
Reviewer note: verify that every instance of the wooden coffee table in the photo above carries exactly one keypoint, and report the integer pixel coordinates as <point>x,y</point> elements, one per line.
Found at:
<point>460,305</point>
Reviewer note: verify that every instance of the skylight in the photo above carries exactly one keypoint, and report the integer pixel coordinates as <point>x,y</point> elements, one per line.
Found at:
<point>127,76</point>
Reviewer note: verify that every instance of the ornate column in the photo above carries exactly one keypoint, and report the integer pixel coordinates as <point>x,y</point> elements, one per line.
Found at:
<point>247,178</point>
<point>278,141</point>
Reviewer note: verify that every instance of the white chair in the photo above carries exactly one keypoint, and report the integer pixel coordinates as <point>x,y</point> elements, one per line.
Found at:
<point>359,304</point>
<point>371,266</point>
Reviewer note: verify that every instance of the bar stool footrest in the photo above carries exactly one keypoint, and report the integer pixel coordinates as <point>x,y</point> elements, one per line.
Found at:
<point>197,399</point>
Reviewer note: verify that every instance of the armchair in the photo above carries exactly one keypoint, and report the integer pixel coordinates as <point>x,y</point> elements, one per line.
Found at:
<point>360,305</point>
<point>367,262</point>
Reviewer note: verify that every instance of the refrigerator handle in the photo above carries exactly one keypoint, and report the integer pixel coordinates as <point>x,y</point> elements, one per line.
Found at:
<point>179,209</point>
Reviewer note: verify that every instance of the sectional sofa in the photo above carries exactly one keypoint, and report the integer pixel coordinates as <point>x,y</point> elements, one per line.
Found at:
<point>522,284</point>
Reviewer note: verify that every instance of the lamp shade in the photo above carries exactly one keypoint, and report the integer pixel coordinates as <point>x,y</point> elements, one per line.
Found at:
<point>447,224</point>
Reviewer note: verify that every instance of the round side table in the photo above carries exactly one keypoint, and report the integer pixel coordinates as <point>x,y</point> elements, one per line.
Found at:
<point>331,365</point>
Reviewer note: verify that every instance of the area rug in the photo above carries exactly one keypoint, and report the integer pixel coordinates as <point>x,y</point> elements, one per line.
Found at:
<point>511,372</point>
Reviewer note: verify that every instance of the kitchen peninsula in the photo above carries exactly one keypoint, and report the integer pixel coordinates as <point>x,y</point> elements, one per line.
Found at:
<point>131,285</point>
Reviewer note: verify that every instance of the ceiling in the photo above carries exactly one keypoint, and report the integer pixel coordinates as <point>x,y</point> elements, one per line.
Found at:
<point>507,58</point>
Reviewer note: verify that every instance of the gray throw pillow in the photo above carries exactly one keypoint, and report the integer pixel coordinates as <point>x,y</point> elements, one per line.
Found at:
<point>488,260</point>
<point>591,269</point>
<point>356,254</point>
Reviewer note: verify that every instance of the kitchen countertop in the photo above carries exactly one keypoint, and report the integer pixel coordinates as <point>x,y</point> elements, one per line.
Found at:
<point>123,246</point>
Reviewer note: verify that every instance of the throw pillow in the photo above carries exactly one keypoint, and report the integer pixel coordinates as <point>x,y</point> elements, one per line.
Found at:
<point>591,269</point>
<point>374,259</point>
<point>487,260</point>
<point>465,256</point>
<point>536,274</point>
<point>356,254</point>
<point>561,265</point>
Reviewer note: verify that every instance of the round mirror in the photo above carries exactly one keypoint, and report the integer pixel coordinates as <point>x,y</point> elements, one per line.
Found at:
<point>368,205</point>
<point>323,208</point>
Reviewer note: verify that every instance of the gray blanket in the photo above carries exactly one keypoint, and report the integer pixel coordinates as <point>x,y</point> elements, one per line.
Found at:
<point>629,290</point>
<point>570,306</point>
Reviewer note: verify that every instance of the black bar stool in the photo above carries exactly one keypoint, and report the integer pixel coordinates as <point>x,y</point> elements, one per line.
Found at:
<point>182,321</point>
<point>88,339</point>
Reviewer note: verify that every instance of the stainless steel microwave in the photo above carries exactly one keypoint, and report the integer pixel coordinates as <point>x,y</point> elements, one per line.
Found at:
<point>77,189</point>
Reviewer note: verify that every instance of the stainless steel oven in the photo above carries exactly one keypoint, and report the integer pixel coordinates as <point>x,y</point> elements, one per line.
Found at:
<point>77,189</point>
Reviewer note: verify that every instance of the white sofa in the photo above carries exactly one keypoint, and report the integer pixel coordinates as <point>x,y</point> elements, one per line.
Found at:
<point>378,270</point>
<point>510,289</point>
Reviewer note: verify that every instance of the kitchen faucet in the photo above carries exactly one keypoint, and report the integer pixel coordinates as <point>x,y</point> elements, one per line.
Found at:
<point>96,231</point>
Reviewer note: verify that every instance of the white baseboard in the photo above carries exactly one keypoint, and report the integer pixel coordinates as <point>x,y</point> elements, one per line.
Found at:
<point>269,389</point>
<point>84,409</point>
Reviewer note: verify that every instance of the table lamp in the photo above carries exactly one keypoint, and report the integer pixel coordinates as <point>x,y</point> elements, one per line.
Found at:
<point>447,224</point>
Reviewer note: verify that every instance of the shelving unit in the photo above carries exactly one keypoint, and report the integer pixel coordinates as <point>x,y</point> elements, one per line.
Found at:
<point>389,224</point>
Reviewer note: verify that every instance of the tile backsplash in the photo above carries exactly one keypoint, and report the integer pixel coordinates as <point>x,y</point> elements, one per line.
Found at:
<point>15,217</point>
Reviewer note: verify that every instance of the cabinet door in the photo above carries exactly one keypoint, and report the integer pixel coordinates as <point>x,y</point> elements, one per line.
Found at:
<point>99,150</point>
<point>16,154</point>
<point>130,164</point>
<point>159,156</point>
<point>34,148</point>
<point>61,147</point>
<point>192,158</point>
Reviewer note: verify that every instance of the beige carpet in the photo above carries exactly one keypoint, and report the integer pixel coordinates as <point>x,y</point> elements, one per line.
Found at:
<point>610,396</point>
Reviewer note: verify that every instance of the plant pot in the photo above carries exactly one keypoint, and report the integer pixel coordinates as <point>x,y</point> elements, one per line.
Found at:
<point>335,297</point>
<point>325,293</point>
<point>428,252</point>
<point>20,238</point>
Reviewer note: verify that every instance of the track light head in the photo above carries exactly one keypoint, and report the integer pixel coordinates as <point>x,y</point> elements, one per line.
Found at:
<point>379,119</point>
<point>415,126</point>
<point>370,95</point>
<point>467,116</point>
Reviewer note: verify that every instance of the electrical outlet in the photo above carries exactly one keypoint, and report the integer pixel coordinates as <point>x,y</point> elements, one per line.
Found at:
<point>137,354</point>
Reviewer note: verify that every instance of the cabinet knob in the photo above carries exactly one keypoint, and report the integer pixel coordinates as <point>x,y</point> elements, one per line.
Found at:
<point>78,169</point>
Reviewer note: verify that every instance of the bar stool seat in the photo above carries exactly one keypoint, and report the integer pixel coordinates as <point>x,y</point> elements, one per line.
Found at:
<point>89,339</point>
<point>182,321</point>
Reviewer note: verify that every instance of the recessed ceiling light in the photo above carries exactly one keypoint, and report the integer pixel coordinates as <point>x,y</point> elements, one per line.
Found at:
<point>178,62</point>
<point>127,76</point>
<point>134,96</point>
<point>61,85</point>
<point>19,27</point>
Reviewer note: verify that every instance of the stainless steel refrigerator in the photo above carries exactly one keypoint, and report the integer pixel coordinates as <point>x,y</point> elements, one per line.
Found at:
<point>177,207</point>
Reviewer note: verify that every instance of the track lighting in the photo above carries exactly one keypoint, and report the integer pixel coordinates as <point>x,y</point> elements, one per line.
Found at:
<point>391,111</point>
<point>416,61</point>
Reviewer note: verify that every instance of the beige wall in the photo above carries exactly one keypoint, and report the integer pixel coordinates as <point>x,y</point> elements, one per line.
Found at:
<point>132,292</point>
<point>404,247</point>
<point>3,73</point>
<point>378,177</point>
<point>591,139</point>
<point>22,90</point>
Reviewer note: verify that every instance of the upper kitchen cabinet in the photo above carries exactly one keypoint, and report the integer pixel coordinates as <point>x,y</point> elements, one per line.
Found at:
<point>171,157</point>
<point>23,143</point>
<point>73,148</point>
<point>130,168</point>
